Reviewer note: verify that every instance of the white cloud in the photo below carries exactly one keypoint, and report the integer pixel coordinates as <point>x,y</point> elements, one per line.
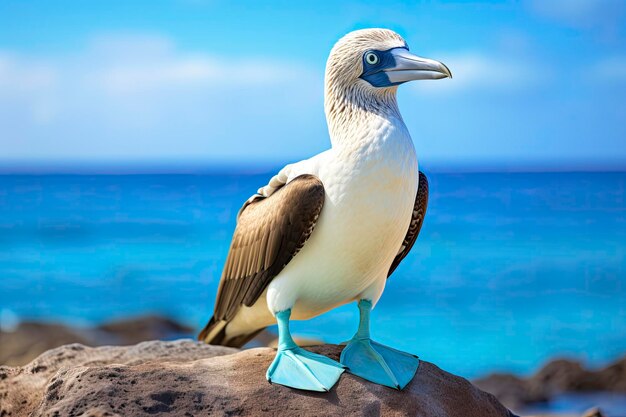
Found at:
<point>140,63</point>
<point>20,75</point>
<point>29,85</point>
<point>120,65</point>
<point>192,71</point>
<point>611,69</point>
<point>120,79</point>
<point>491,73</point>
<point>126,93</point>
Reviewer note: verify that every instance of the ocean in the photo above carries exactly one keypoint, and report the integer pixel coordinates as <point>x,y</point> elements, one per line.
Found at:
<point>510,269</point>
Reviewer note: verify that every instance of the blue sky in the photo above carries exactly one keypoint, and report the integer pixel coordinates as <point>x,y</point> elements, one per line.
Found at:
<point>536,83</point>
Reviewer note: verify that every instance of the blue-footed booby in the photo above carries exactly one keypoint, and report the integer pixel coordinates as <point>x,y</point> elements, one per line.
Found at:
<point>330,230</point>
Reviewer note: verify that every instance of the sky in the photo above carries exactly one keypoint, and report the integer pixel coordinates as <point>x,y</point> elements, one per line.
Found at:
<point>193,82</point>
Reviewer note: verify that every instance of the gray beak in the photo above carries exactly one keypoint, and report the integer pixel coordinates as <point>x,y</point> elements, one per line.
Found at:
<point>411,67</point>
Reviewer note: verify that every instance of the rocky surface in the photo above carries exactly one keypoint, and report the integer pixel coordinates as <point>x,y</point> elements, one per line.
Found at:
<point>185,378</point>
<point>557,377</point>
<point>31,339</point>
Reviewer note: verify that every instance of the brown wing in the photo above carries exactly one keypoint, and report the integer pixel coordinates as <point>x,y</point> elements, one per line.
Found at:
<point>269,233</point>
<point>417,219</point>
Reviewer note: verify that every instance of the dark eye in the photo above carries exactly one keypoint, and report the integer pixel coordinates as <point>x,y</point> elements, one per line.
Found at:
<point>371,58</point>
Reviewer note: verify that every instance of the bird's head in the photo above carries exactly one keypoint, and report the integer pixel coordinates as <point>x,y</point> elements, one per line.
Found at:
<point>373,62</point>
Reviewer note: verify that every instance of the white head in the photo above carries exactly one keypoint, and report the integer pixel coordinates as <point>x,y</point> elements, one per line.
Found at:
<point>364,70</point>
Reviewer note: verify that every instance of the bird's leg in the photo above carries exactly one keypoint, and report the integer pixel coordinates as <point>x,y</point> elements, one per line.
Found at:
<point>375,362</point>
<point>298,368</point>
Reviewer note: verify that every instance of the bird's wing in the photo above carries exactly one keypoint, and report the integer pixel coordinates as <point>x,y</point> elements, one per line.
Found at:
<point>269,233</point>
<point>417,219</point>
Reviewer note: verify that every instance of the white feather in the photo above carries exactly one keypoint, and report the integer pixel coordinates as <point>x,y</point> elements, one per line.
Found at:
<point>370,177</point>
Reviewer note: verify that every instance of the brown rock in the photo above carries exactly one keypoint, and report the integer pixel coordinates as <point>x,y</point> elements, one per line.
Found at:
<point>594,412</point>
<point>512,391</point>
<point>134,330</point>
<point>31,339</point>
<point>611,378</point>
<point>185,378</point>
<point>556,377</point>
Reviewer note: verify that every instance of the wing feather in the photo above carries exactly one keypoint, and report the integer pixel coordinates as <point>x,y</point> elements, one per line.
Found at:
<point>417,219</point>
<point>269,233</point>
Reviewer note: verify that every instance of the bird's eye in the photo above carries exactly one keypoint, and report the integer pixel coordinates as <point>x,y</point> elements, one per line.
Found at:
<point>371,58</point>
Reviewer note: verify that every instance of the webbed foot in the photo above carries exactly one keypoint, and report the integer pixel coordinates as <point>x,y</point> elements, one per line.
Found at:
<point>301,369</point>
<point>375,362</point>
<point>379,363</point>
<point>298,368</point>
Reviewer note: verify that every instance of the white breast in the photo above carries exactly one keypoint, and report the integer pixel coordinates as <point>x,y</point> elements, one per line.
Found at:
<point>370,192</point>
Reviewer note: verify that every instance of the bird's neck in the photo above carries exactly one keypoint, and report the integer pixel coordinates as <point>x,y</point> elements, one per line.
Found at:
<point>356,117</point>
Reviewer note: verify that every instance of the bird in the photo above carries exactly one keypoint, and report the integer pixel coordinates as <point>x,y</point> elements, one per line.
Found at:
<point>330,230</point>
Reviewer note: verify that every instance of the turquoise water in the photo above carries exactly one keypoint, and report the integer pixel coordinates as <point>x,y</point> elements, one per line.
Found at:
<point>509,271</point>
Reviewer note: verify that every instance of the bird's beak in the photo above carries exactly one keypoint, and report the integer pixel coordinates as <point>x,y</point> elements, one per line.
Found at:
<point>411,67</point>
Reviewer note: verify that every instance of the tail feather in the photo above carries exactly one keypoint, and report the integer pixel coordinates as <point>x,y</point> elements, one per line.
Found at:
<point>214,333</point>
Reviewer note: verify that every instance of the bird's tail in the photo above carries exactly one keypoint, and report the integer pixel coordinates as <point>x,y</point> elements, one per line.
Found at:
<point>214,333</point>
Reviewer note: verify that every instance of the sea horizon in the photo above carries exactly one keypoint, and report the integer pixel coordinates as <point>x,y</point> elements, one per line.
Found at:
<point>217,166</point>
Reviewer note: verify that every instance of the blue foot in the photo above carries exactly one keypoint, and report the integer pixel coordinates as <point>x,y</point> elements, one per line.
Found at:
<point>301,369</point>
<point>298,368</point>
<point>375,362</point>
<point>379,364</point>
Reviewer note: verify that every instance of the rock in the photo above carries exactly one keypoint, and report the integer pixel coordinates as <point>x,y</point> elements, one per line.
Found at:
<point>134,330</point>
<point>31,339</point>
<point>594,412</point>
<point>611,378</point>
<point>185,378</point>
<point>557,377</point>
<point>512,391</point>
